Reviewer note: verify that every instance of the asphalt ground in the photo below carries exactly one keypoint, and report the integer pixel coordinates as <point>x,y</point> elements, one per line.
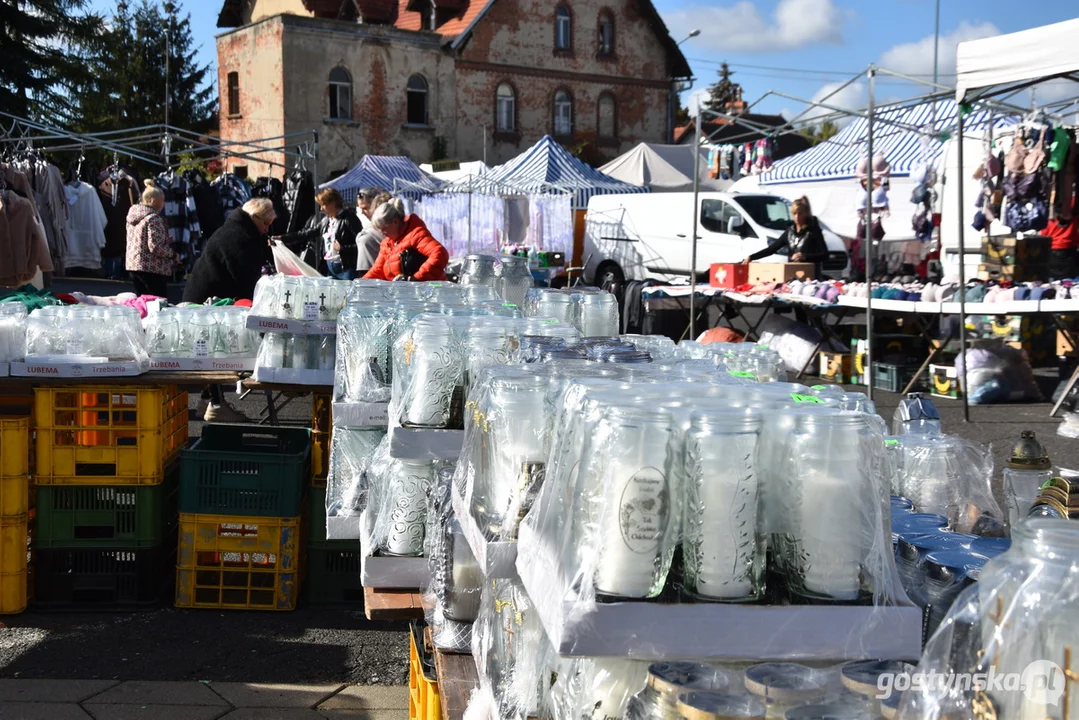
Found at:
<point>317,645</point>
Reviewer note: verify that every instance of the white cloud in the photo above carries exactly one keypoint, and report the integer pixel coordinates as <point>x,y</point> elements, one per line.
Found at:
<point>852,97</point>
<point>916,58</point>
<point>695,99</point>
<point>741,27</point>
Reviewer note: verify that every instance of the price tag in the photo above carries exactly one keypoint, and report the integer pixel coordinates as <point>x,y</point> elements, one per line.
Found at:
<point>805,398</point>
<point>891,442</point>
<point>310,311</point>
<point>200,349</point>
<point>742,374</point>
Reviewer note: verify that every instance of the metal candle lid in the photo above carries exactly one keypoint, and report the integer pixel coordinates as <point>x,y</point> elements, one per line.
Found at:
<point>718,706</point>
<point>672,678</point>
<point>784,682</point>
<point>861,676</point>
<point>1029,454</point>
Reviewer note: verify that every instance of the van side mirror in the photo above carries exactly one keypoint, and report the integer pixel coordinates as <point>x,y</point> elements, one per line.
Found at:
<point>734,225</point>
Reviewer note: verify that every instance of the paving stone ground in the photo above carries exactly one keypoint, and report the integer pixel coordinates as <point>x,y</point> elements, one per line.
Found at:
<point>142,700</point>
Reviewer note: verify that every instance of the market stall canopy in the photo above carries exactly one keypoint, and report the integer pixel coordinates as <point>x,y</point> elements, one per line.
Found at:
<point>910,145</point>
<point>663,168</point>
<point>547,167</point>
<point>1040,53</point>
<point>393,173</point>
<point>462,171</point>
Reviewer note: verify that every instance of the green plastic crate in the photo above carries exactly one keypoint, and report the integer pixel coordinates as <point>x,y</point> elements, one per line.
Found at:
<point>333,574</point>
<point>107,516</point>
<point>242,470</point>
<point>317,515</point>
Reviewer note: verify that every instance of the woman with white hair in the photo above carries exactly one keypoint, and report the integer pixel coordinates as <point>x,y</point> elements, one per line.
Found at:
<point>409,251</point>
<point>149,250</point>
<point>231,263</point>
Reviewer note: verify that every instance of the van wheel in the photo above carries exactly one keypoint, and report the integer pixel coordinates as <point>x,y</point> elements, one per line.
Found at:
<point>609,273</point>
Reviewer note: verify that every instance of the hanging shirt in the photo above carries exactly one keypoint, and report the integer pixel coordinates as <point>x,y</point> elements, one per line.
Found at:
<point>329,236</point>
<point>181,217</point>
<point>86,221</point>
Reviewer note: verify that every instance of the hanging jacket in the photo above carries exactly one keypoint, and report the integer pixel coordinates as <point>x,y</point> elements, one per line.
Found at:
<point>417,237</point>
<point>149,247</point>
<point>299,198</point>
<point>23,238</point>
<point>116,223</point>
<point>86,222</point>
<point>207,203</point>
<point>230,264</point>
<point>310,240</point>
<point>272,189</point>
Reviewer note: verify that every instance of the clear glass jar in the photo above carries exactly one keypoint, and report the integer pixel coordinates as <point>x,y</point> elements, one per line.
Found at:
<point>554,304</point>
<point>833,529</point>
<point>929,473</point>
<point>290,299</point>
<point>517,450</point>
<point>275,351</point>
<point>666,681</point>
<point>406,506</point>
<point>1021,489</point>
<point>478,270</point>
<point>364,331</point>
<point>490,341</point>
<point>781,686</point>
<point>635,522</point>
<point>202,335</point>
<point>160,330</point>
<point>723,546</point>
<point>434,375</point>
<point>514,279</point>
<point>595,314</point>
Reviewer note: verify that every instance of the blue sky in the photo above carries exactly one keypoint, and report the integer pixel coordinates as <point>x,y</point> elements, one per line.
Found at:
<point>803,47</point>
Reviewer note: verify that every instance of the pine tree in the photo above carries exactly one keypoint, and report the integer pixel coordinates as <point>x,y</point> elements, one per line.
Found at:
<point>723,95</point>
<point>820,133</point>
<point>40,42</point>
<point>128,67</point>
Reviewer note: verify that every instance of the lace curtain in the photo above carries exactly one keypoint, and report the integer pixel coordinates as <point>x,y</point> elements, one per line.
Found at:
<point>550,223</point>
<point>447,217</point>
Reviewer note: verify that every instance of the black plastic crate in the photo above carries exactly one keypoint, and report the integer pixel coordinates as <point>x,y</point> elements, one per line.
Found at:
<point>893,378</point>
<point>333,574</point>
<point>92,579</point>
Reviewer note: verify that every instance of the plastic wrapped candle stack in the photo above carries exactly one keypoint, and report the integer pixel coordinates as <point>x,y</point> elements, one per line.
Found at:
<point>363,371</point>
<point>200,332</point>
<point>299,298</point>
<point>397,506</point>
<point>12,331</point>
<point>85,334</point>
<point>352,458</point>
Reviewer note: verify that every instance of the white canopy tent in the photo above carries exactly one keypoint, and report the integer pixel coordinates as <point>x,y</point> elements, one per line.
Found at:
<point>664,168</point>
<point>1022,58</point>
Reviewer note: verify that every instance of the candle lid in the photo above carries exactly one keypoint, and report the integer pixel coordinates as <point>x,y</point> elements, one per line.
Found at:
<point>831,711</point>
<point>861,676</point>
<point>901,503</point>
<point>669,678</point>
<point>889,706</point>
<point>1029,454</point>
<point>990,547</point>
<point>784,682</point>
<point>719,706</point>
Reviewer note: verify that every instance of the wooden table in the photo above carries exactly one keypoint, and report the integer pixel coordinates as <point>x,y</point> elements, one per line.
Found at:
<point>292,391</point>
<point>392,604</point>
<point>457,678</point>
<point>183,378</point>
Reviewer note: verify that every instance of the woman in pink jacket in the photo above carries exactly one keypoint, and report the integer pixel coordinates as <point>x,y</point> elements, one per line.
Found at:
<point>149,249</point>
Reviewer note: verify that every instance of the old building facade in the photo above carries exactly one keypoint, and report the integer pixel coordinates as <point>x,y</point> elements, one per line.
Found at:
<point>431,79</point>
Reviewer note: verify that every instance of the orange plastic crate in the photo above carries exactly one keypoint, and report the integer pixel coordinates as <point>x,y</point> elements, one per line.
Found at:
<point>93,435</point>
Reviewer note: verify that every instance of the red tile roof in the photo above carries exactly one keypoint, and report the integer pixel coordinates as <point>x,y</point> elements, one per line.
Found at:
<point>468,10</point>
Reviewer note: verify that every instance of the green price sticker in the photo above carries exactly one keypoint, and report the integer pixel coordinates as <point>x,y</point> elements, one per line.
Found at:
<point>1047,483</point>
<point>820,387</point>
<point>805,398</point>
<point>891,442</point>
<point>741,374</point>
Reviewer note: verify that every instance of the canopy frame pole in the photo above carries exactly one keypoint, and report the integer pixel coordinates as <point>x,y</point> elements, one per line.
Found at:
<point>693,226</point>
<point>961,224</point>
<point>870,81</point>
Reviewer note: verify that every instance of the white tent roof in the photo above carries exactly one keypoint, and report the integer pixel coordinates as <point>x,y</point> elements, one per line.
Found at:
<point>1041,52</point>
<point>664,168</point>
<point>475,168</point>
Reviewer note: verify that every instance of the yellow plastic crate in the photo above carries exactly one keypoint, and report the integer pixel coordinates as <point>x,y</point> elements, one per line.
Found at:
<point>424,702</point>
<point>14,555</point>
<point>238,562</point>
<point>321,436</point>
<point>92,435</point>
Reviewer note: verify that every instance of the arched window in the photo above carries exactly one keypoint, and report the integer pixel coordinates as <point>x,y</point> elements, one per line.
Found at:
<point>234,93</point>
<point>417,100</point>
<point>563,114</point>
<point>340,94</point>
<point>506,106</point>
<point>606,33</point>
<point>607,120</point>
<point>563,28</point>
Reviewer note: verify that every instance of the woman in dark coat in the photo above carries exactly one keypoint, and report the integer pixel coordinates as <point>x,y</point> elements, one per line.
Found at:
<point>231,263</point>
<point>331,242</point>
<point>803,239</point>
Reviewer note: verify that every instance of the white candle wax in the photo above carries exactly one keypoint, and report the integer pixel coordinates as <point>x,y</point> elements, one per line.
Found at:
<point>832,529</point>
<point>407,500</point>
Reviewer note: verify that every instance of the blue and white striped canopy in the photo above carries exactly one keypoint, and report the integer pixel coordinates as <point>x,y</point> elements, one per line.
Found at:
<point>905,149</point>
<point>394,173</point>
<point>547,167</point>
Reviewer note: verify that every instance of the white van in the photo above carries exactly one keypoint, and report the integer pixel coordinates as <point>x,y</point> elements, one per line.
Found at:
<point>647,236</point>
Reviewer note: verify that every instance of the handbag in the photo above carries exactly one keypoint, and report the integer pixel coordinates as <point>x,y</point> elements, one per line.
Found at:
<point>1034,159</point>
<point>411,261</point>
<point>1015,160</point>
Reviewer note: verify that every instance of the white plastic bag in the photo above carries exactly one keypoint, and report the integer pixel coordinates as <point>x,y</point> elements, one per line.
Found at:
<point>288,263</point>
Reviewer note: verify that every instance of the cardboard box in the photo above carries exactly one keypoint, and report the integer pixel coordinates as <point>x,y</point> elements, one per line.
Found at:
<point>293,327</point>
<point>858,374</point>
<point>897,348</point>
<point>394,573</point>
<point>1025,251</point>
<point>294,376</point>
<point>779,272</point>
<point>835,367</point>
<point>416,444</point>
<point>1063,346</point>
<point>209,364</point>
<point>50,367</point>
<point>361,415</point>
<point>728,275</point>
<point>1033,334</point>
<point>1015,273</point>
<point>945,381</point>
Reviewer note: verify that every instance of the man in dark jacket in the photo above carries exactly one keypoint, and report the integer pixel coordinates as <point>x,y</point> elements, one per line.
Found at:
<point>231,263</point>
<point>803,239</point>
<point>329,245</point>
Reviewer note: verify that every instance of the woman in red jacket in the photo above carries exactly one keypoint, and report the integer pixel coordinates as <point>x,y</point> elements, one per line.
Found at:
<point>409,251</point>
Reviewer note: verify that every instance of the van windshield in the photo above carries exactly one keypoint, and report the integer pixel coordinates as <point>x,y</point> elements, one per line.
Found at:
<point>766,210</point>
